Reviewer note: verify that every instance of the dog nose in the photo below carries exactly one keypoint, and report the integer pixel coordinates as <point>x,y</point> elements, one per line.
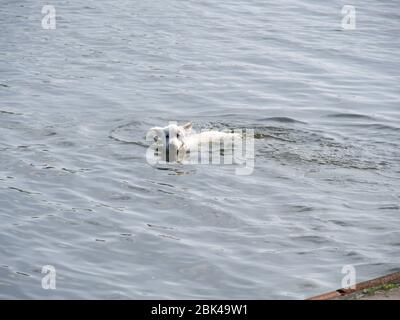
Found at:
<point>171,148</point>
<point>167,142</point>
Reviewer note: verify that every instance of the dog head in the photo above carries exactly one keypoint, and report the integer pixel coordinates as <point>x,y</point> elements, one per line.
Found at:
<point>171,140</point>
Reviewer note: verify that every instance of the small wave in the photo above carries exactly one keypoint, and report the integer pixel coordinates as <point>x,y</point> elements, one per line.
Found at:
<point>175,171</point>
<point>376,126</point>
<point>124,132</point>
<point>282,120</point>
<point>22,191</point>
<point>23,274</point>
<point>311,238</point>
<point>10,112</point>
<point>349,116</point>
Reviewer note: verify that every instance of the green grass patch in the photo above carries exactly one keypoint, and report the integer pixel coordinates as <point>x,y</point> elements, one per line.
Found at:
<point>383,287</point>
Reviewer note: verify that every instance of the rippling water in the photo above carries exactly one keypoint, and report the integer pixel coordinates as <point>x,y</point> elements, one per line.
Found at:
<point>77,193</point>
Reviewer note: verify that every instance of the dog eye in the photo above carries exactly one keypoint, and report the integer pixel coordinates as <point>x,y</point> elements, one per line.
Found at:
<point>178,135</point>
<point>155,138</point>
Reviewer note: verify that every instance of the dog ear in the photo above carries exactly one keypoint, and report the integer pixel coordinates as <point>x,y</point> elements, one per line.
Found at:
<point>158,132</point>
<point>188,127</point>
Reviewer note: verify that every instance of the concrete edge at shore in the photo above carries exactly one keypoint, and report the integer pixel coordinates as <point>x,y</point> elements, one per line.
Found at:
<point>342,293</point>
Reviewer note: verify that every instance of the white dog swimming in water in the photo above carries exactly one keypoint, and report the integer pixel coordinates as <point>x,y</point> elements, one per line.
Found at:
<point>174,142</point>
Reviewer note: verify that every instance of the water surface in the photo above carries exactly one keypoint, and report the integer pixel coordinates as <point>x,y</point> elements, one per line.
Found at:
<point>77,193</point>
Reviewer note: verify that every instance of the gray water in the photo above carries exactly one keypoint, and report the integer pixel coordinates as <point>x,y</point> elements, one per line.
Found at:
<point>77,193</point>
